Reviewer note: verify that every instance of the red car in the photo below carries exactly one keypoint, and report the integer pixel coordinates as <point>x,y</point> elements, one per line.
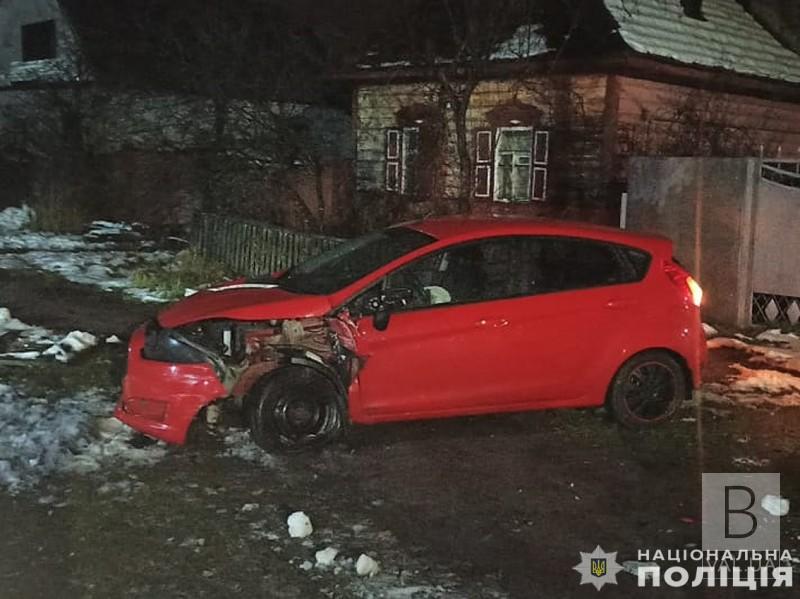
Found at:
<point>436,318</point>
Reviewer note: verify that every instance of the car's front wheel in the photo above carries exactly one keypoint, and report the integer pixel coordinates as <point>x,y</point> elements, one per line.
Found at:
<point>647,389</point>
<point>294,408</point>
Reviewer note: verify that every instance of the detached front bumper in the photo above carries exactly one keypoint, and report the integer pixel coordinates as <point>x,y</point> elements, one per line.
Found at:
<point>161,399</point>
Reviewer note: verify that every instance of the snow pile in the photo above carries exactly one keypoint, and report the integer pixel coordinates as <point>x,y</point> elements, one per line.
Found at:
<point>29,342</point>
<point>769,375</point>
<point>789,340</point>
<point>44,436</point>
<point>766,380</point>
<point>14,219</point>
<point>111,270</point>
<point>238,444</point>
<point>73,343</point>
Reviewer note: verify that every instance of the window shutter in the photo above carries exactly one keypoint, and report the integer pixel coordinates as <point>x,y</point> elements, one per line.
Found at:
<point>541,157</point>
<point>483,163</point>
<point>392,158</point>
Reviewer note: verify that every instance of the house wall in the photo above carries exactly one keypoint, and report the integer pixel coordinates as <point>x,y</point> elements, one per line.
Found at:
<point>573,109</point>
<point>663,119</point>
<point>14,14</point>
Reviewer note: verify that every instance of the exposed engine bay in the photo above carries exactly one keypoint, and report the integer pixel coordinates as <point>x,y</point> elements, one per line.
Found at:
<point>242,352</point>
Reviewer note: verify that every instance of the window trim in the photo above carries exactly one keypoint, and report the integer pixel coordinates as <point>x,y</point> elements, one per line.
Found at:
<point>484,164</point>
<point>496,164</point>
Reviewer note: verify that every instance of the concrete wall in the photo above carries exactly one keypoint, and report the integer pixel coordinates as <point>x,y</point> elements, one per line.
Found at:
<point>705,205</point>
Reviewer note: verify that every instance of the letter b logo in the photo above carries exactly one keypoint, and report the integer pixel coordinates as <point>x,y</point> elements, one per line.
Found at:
<point>733,518</point>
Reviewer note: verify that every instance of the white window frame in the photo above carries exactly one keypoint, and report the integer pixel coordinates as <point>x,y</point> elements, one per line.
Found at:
<point>497,153</point>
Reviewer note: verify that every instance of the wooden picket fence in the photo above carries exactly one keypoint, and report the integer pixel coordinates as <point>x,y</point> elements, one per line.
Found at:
<point>252,247</point>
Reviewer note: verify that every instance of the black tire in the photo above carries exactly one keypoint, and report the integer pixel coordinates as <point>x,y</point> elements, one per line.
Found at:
<point>647,390</point>
<point>294,408</point>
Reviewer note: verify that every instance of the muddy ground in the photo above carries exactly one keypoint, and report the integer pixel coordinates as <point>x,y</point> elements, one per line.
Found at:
<point>478,507</point>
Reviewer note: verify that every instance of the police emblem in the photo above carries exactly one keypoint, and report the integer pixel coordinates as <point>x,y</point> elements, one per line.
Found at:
<point>598,568</point>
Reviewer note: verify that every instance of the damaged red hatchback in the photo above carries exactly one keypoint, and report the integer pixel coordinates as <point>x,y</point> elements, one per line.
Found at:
<point>436,318</point>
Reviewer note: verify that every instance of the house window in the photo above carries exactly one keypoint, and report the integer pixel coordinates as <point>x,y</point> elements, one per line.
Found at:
<point>39,40</point>
<point>511,164</point>
<point>402,152</point>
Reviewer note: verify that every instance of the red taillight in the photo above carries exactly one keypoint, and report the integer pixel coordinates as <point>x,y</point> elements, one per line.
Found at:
<point>146,408</point>
<point>685,282</point>
<point>695,290</point>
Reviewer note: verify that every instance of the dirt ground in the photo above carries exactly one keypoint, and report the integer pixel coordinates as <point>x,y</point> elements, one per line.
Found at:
<point>476,507</point>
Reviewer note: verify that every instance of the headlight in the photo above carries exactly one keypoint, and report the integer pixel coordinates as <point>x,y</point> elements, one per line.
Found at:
<point>164,345</point>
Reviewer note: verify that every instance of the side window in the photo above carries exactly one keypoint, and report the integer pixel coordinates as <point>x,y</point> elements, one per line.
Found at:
<point>565,264</point>
<point>471,272</point>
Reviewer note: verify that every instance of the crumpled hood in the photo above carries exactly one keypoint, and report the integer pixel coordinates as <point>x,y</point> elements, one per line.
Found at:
<point>243,302</point>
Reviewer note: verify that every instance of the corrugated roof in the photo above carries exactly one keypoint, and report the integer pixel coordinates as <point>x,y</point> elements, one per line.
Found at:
<point>729,38</point>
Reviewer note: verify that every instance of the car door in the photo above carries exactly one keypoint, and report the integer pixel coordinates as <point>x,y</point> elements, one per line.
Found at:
<point>582,303</point>
<point>443,352</point>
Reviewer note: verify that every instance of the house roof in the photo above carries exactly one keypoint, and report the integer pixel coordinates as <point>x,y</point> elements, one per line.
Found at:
<point>728,38</point>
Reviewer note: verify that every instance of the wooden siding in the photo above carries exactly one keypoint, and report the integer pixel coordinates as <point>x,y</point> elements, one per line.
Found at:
<point>654,116</point>
<point>572,108</point>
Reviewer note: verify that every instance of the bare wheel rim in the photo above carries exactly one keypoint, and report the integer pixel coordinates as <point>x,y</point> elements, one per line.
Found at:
<point>649,390</point>
<point>302,418</point>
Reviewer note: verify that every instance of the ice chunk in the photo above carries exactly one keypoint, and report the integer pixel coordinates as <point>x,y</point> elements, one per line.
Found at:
<point>113,339</point>
<point>326,556</point>
<point>775,505</point>
<point>299,525</point>
<point>366,566</point>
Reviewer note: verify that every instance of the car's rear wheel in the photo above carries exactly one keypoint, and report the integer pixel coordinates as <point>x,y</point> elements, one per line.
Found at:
<point>294,408</point>
<point>648,389</point>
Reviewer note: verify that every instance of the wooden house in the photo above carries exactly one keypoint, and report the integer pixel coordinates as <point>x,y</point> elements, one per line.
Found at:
<point>552,117</point>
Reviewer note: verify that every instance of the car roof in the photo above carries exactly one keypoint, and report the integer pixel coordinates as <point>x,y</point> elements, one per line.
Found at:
<point>462,228</point>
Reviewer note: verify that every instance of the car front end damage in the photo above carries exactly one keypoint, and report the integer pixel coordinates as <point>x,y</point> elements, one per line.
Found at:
<point>173,373</point>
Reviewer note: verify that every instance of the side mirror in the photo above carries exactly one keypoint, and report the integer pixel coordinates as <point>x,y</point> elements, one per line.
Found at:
<point>385,303</point>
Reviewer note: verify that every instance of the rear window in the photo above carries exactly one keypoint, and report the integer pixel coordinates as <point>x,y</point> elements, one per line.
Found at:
<point>569,263</point>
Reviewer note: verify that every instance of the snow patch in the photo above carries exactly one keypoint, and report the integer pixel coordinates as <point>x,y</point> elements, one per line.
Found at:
<point>527,41</point>
<point>43,436</point>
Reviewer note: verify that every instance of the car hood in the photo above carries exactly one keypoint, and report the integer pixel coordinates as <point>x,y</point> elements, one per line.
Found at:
<point>243,302</point>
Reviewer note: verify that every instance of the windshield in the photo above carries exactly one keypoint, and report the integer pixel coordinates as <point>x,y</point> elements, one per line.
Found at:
<point>346,263</point>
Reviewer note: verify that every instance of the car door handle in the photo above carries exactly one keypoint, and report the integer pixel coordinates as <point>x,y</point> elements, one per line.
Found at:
<point>492,322</point>
<point>619,304</point>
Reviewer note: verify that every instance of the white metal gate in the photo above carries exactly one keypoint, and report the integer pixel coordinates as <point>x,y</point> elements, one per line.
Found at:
<point>776,245</point>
